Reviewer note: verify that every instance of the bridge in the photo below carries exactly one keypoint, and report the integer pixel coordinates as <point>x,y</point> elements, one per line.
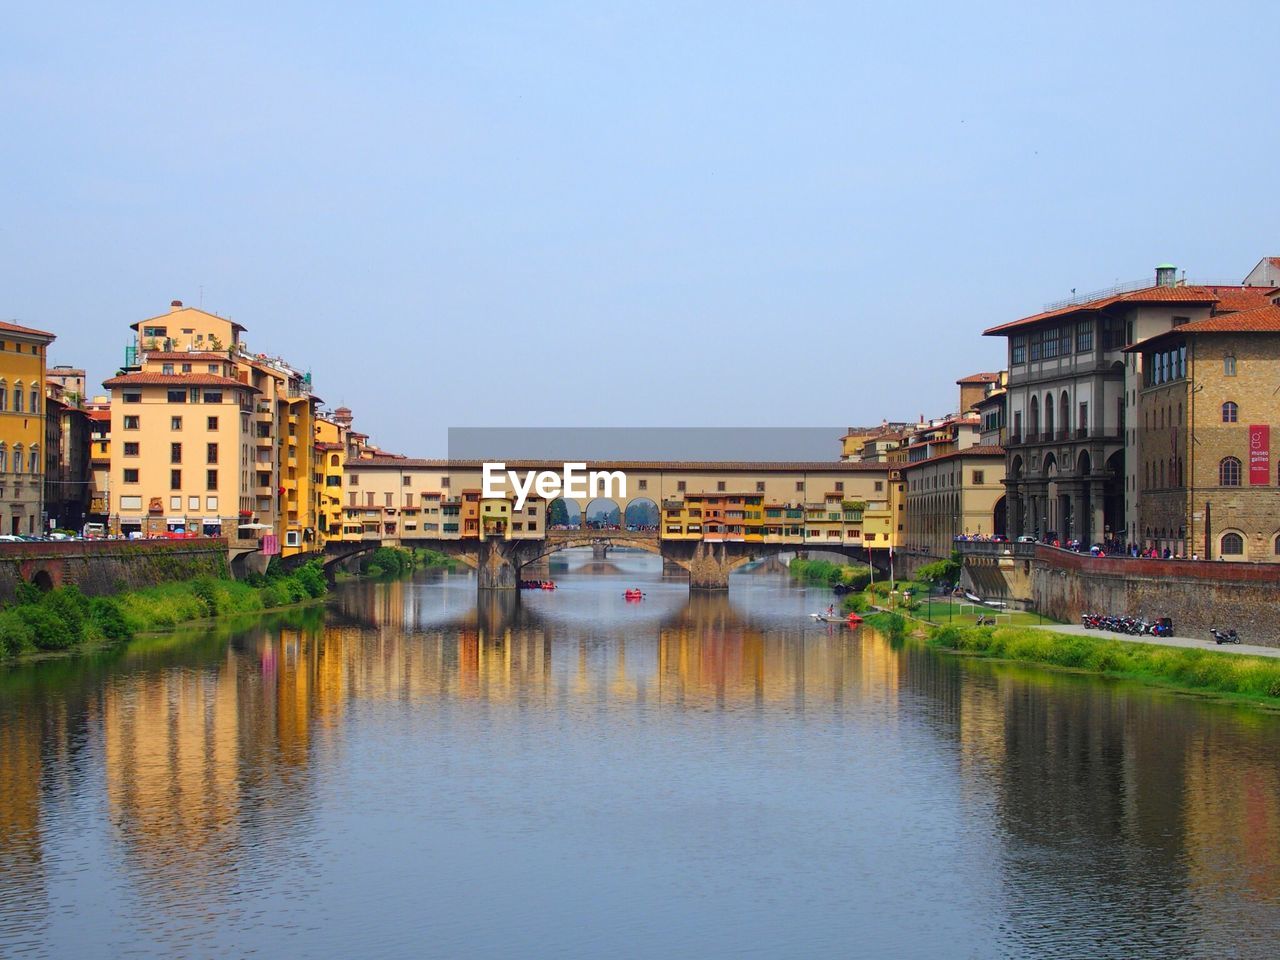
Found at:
<point>707,517</point>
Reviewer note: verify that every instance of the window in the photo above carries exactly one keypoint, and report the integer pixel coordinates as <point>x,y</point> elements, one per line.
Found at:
<point>879,486</point>
<point>175,453</point>
<point>213,397</point>
<point>175,503</point>
<point>720,485</point>
<point>211,503</point>
<point>1229,472</point>
<point>1228,366</point>
<point>211,453</point>
<point>799,486</point>
<point>17,398</point>
<point>354,478</point>
<point>193,504</point>
<point>444,482</point>
<point>839,486</point>
<point>680,487</point>
<point>177,396</point>
<point>1018,350</point>
<point>131,423</point>
<point>1084,417</point>
<point>1230,412</point>
<point>405,481</point>
<point>1232,545</point>
<point>212,423</point>
<point>759,486</point>
<point>211,479</point>
<point>175,479</point>
<point>186,368</point>
<point>35,400</point>
<point>644,484</point>
<point>175,423</point>
<point>389,501</point>
<point>131,475</point>
<point>167,369</point>
<point>1084,336</point>
<point>979,477</point>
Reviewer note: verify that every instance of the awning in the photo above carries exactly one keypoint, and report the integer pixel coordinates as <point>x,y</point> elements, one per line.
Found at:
<point>254,526</point>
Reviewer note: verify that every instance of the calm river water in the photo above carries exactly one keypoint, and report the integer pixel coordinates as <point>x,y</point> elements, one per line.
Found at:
<point>403,774</point>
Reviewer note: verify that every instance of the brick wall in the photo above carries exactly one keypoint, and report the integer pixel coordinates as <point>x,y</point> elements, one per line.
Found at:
<point>103,567</point>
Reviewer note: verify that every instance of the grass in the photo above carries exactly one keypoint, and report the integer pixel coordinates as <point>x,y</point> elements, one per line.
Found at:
<point>64,620</point>
<point>1255,678</point>
<point>825,572</point>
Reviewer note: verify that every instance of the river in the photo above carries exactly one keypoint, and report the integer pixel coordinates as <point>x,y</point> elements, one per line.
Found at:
<point>404,773</point>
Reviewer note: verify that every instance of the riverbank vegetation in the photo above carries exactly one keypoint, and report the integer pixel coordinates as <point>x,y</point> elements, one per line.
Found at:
<point>831,574</point>
<point>1202,670</point>
<point>399,561</point>
<point>64,619</point>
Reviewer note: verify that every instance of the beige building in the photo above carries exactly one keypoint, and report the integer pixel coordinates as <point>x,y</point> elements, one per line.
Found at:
<point>268,484</point>
<point>951,495</point>
<point>1208,482</point>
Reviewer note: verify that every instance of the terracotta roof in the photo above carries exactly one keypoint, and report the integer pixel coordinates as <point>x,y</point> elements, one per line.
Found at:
<point>1261,320</point>
<point>176,380</point>
<point>103,415</point>
<point>185,355</point>
<point>990,450</point>
<point>175,311</point>
<point>28,331</point>
<point>325,445</point>
<point>1176,294</point>
<point>980,378</point>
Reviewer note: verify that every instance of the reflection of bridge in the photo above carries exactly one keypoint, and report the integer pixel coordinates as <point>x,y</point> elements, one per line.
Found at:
<point>498,562</point>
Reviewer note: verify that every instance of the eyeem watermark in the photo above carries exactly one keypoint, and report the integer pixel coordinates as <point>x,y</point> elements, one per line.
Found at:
<point>575,482</point>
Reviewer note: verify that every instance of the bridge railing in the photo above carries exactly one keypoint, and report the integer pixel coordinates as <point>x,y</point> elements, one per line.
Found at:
<point>991,548</point>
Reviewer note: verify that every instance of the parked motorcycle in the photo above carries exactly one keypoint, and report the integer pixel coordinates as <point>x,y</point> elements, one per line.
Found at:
<point>1224,636</point>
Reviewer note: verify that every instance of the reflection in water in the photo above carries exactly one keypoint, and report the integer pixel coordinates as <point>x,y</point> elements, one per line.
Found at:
<point>702,774</point>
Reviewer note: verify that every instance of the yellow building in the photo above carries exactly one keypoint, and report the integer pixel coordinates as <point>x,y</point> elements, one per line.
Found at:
<point>23,355</point>
<point>329,459</point>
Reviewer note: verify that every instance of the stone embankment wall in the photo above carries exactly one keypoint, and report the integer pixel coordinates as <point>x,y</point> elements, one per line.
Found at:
<point>102,567</point>
<point>1196,594</point>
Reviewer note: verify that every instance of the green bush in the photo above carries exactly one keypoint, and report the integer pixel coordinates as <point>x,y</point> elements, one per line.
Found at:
<point>48,630</point>
<point>387,561</point>
<point>71,607</point>
<point>15,636</point>
<point>855,603</point>
<point>891,625</point>
<point>107,617</point>
<point>206,591</point>
<point>311,577</point>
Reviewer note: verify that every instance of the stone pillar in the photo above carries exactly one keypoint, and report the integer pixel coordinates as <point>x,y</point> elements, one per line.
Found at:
<point>1013,512</point>
<point>497,569</point>
<point>599,550</point>
<point>1074,525</point>
<point>1097,506</point>
<point>709,567</point>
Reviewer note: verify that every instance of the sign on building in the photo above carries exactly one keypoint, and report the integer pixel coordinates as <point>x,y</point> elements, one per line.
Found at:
<point>1259,455</point>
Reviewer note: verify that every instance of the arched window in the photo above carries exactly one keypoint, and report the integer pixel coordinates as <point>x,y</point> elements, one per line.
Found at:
<point>1048,415</point>
<point>1035,416</point>
<point>333,460</point>
<point>1232,545</point>
<point>1275,545</point>
<point>1064,413</point>
<point>1230,412</point>
<point>1228,472</point>
<point>17,459</point>
<point>1162,473</point>
<point>4,395</point>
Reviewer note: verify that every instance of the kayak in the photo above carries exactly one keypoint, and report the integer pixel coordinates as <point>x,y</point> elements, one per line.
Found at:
<point>634,595</point>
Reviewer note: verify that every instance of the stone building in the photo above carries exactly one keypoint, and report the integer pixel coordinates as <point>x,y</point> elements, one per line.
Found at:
<point>953,494</point>
<point>1071,469</point>
<point>1207,482</point>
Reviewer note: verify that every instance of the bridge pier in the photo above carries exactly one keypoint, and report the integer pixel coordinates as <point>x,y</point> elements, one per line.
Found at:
<point>710,566</point>
<point>599,550</point>
<point>498,569</point>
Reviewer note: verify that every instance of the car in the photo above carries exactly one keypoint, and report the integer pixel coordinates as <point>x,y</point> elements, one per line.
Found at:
<point>1026,539</point>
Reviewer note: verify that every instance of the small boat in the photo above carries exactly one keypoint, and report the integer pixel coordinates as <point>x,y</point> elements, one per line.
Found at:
<point>633,594</point>
<point>548,585</point>
<point>851,619</point>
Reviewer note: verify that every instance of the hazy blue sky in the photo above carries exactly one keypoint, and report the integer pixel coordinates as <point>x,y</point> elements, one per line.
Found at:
<point>622,214</point>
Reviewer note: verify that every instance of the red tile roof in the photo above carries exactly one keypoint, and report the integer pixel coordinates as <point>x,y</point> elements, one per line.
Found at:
<point>176,380</point>
<point>980,378</point>
<point>1261,320</point>
<point>763,466</point>
<point>185,355</point>
<point>1233,296</point>
<point>976,451</point>
<point>28,331</point>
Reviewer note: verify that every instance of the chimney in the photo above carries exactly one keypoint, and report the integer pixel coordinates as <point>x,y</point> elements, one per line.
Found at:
<point>1166,275</point>
<point>175,305</point>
